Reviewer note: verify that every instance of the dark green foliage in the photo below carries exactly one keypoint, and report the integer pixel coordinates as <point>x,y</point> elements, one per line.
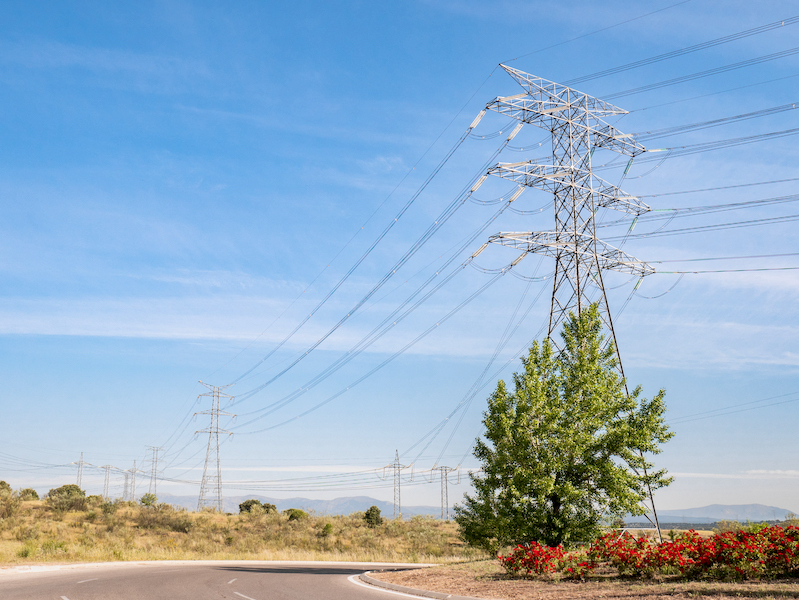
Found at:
<point>372,517</point>
<point>295,514</point>
<point>67,497</point>
<point>565,449</point>
<point>148,500</point>
<point>327,530</point>
<point>248,505</point>
<point>28,494</point>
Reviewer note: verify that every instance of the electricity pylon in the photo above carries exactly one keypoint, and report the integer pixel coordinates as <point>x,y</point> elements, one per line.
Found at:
<point>133,483</point>
<point>445,471</point>
<point>154,469</point>
<point>397,484</point>
<point>211,485</point>
<point>576,123</point>
<point>80,470</point>
<point>126,487</point>
<point>106,480</point>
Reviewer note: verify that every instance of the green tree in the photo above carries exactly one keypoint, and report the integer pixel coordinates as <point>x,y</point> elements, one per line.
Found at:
<point>372,517</point>
<point>149,500</point>
<point>67,497</point>
<point>565,449</point>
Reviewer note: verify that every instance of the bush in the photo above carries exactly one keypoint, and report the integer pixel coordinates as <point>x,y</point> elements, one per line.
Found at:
<point>148,500</point>
<point>372,517</point>
<point>9,504</point>
<point>67,497</point>
<point>28,494</point>
<point>249,505</point>
<point>295,514</point>
<point>5,487</point>
<point>164,516</point>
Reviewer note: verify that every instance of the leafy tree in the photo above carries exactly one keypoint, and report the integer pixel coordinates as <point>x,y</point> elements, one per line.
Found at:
<point>295,514</point>
<point>5,487</point>
<point>372,517</point>
<point>148,500</point>
<point>249,505</point>
<point>565,449</point>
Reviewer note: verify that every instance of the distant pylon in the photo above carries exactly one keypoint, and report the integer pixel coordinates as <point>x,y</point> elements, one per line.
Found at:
<point>397,484</point>
<point>211,485</point>
<point>133,483</point>
<point>445,471</point>
<point>154,469</point>
<point>80,470</point>
<point>126,487</point>
<point>107,479</point>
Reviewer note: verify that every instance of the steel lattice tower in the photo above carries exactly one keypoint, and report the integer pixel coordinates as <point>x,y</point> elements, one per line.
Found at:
<point>445,471</point>
<point>211,485</point>
<point>575,121</point>
<point>397,484</point>
<point>106,481</point>
<point>153,469</point>
<point>80,470</point>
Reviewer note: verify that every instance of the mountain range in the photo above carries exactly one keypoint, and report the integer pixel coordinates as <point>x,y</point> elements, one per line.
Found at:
<point>349,505</point>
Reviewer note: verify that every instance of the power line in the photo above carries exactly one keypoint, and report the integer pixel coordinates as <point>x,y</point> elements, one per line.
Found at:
<point>723,187</point>
<point>683,51</point>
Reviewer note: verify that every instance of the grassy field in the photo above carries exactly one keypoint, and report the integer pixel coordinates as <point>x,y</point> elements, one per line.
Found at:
<point>34,532</point>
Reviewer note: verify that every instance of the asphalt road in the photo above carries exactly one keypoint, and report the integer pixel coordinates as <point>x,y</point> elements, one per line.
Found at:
<point>200,580</point>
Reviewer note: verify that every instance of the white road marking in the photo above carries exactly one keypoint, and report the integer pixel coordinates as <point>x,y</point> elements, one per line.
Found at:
<point>87,580</point>
<point>243,596</point>
<point>64,598</point>
<point>354,579</point>
<point>232,580</point>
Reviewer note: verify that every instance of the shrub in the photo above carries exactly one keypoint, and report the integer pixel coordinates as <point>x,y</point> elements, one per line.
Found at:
<point>5,487</point>
<point>248,505</point>
<point>295,514</point>
<point>67,497</point>
<point>372,517</point>
<point>9,504</point>
<point>28,494</point>
<point>148,500</point>
<point>164,516</point>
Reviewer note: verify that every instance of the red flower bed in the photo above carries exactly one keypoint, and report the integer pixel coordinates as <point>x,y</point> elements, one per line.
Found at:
<point>770,552</point>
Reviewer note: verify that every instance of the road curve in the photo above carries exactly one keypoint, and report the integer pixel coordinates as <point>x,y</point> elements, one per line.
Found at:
<point>195,580</point>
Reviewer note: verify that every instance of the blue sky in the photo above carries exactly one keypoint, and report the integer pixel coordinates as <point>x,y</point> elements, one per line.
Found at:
<point>183,182</point>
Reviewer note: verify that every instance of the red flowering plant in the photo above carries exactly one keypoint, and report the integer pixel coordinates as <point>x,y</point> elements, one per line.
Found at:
<point>766,553</point>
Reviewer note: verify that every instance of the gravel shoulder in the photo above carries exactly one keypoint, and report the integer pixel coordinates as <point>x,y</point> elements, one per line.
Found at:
<point>486,579</point>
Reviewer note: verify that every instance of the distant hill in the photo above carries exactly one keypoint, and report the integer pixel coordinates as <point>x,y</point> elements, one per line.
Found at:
<point>337,506</point>
<point>720,512</point>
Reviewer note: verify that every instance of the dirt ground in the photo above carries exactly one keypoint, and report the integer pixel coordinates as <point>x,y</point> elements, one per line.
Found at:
<point>486,579</point>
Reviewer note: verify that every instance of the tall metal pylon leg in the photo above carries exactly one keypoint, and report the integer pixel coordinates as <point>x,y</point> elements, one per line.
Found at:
<point>576,123</point>
<point>211,484</point>
<point>445,471</point>
<point>126,487</point>
<point>133,483</point>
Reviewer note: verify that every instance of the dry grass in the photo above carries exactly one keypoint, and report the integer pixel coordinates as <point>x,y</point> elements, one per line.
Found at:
<point>35,533</point>
<point>486,579</point>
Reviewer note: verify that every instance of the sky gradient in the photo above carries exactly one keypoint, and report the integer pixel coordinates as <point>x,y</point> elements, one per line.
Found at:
<point>183,183</point>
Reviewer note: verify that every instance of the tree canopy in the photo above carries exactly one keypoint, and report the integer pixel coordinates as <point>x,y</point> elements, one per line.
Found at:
<point>566,448</point>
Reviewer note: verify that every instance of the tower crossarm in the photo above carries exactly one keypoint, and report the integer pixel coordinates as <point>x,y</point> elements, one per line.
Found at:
<point>551,177</point>
<point>549,105</point>
<point>553,243</point>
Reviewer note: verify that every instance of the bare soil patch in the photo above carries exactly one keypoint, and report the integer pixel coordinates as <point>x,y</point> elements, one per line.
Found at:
<point>487,579</point>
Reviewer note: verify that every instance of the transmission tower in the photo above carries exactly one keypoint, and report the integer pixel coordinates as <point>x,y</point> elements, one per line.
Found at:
<point>397,484</point>
<point>126,487</point>
<point>106,481</point>
<point>154,469</point>
<point>576,123</point>
<point>133,483</point>
<point>80,470</point>
<point>211,486</point>
<point>445,471</point>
